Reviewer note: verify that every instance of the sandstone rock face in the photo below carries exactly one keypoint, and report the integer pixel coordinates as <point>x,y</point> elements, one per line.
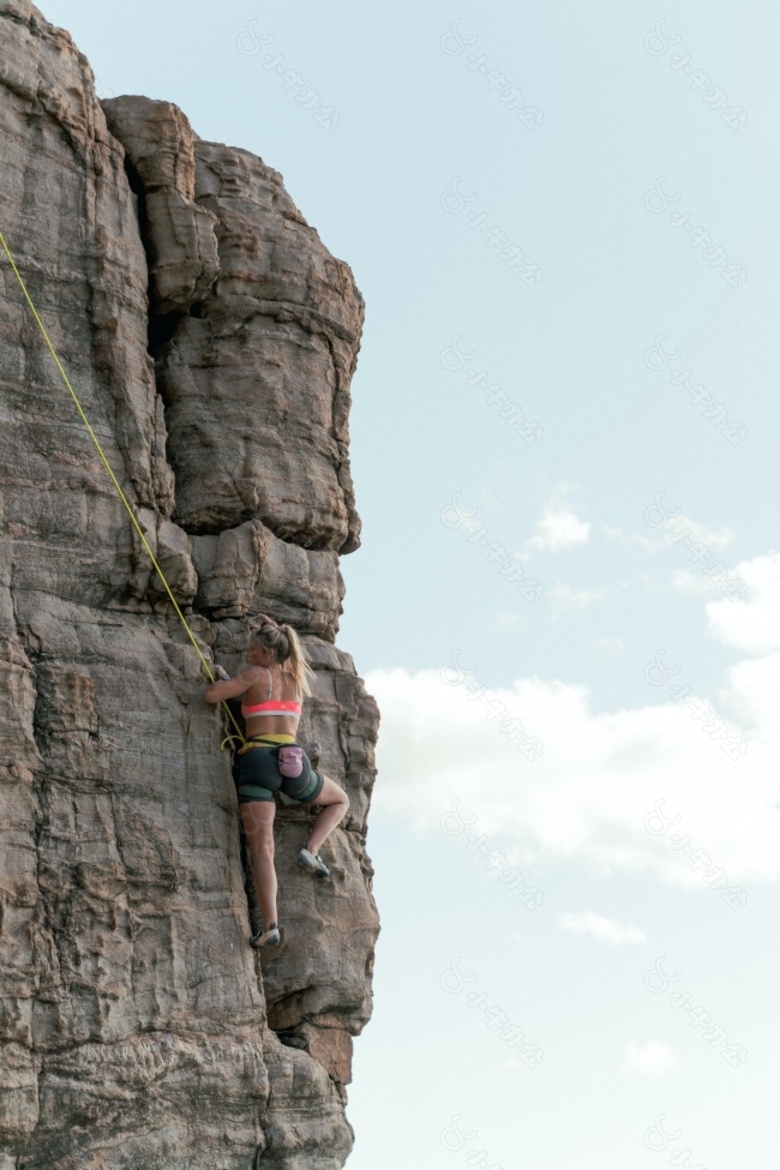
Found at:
<point>264,344</point>
<point>137,1026</point>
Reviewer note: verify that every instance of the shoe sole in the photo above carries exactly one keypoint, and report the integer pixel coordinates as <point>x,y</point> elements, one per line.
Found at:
<point>319,870</point>
<point>258,941</point>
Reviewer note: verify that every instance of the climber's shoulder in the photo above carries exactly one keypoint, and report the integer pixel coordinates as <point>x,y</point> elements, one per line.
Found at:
<point>252,675</point>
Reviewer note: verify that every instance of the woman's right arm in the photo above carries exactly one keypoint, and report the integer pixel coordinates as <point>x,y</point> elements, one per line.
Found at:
<point>230,688</point>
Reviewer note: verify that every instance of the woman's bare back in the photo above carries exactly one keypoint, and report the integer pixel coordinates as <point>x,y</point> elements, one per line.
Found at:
<point>273,684</point>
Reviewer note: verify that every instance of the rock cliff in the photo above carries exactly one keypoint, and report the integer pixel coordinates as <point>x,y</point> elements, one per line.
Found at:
<point>212,338</point>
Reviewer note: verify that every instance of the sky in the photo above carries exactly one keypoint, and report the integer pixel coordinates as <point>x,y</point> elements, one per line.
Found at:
<point>562,218</point>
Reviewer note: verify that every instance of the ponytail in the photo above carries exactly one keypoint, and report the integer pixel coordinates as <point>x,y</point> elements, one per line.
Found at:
<point>286,645</point>
<point>299,667</point>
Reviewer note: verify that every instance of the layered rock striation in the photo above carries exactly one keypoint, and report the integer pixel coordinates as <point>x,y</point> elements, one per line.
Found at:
<point>212,339</point>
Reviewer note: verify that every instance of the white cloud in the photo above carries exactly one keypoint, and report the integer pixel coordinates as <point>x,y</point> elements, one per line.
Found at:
<point>694,584</point>
<point>649,544</point>
<point>558,526</point>
<point>653,539</point>
<point>651,1059</point>
<point>563,597</point>
<point>711,536</point>
<point>753,626</point>
<point>608,929</point>
<point>599,775</point>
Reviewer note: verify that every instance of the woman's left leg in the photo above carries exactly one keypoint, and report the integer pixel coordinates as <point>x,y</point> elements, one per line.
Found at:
<point>258,820</point>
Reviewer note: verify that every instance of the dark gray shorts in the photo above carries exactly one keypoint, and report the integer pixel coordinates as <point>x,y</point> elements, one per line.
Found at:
<point>259,778</point>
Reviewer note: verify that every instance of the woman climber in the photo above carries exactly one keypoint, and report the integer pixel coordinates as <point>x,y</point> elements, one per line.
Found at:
<point>272,688</point>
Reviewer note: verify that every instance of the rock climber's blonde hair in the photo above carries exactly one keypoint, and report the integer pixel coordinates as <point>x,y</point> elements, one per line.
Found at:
<point>286,645</point>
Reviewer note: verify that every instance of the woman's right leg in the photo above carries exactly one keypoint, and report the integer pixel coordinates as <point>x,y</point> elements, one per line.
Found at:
<point>258,820</point>
<point>334,804</point>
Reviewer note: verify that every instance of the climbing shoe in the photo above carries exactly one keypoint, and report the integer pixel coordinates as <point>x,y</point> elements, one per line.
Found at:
<point>271,938</point>
<point>313,862</point>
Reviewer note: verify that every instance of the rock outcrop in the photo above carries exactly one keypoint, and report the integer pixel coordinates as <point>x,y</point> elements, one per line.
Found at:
<point>212,339</point>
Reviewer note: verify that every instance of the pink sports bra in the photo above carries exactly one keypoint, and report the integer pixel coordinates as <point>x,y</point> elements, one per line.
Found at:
<point>271,706</point>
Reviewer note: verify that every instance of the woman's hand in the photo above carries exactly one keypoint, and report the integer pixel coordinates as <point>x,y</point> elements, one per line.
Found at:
<point>216,693</point>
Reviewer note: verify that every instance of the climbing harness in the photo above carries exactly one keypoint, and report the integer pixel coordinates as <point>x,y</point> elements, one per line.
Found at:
<point>289,756</point>
<point>116,483</point>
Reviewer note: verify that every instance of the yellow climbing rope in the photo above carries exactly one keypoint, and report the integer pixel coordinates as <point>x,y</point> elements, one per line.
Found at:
<point>114,479</point>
